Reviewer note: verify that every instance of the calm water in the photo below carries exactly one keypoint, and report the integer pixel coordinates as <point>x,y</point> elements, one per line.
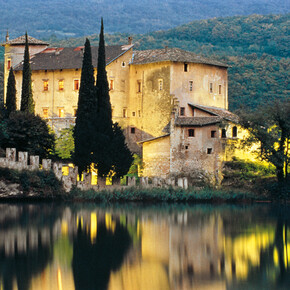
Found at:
<point>85,246</point>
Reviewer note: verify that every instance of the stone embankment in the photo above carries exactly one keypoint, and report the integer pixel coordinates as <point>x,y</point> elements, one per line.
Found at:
<point>68,175</point>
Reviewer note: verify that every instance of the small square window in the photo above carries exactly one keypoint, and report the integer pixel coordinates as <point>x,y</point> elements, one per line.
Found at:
<point>45,85</point>
<point>209,150</point>
<point>60,85</point>
<point>76,85</point>
<point>213,134</point>
<point>190,132</point>
<point>111,85</point>
<point>160,85</point>
<point>138,86</point>
<point>224,133</point>
<point>133,114</point>
<point>190,86</point>
<point>132,130</point>
<point>123,64</point>
<point>235,132</point>
<point>185,67</point>
<point>61,112</point>
<point>186,147</point>
<point>182,111</point>
<point>45,112</point>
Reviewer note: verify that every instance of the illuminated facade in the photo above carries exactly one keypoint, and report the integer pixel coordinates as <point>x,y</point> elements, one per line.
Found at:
<point>171,103</point>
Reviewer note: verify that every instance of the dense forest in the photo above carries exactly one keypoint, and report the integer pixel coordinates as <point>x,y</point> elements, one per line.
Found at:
<point>72,18</point>
<point>256,47</point>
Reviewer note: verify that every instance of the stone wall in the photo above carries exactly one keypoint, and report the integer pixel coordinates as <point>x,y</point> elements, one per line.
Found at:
<point>69,178</point>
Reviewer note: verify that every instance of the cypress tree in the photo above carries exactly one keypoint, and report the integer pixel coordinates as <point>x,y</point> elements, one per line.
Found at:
<point>121,155</point>
<point>11,93</point>
<point>27,103</point>
<point>87,106</point>
<point>103,132</point>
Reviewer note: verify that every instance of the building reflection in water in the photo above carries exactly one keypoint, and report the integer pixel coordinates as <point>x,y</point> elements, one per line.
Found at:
<point>86,247</point>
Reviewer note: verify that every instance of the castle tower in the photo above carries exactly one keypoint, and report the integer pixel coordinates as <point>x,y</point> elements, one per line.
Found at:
<point>14,52</point>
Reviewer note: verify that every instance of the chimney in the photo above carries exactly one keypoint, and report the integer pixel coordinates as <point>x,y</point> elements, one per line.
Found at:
<point>130,39</point>
<point>7,36</point>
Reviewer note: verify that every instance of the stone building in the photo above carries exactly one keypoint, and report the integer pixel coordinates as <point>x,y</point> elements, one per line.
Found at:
<point>172,104</point>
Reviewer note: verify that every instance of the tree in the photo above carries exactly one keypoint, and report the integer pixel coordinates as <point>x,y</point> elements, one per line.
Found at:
<point>27,132</point>
<point>27,103</point>
<point>87,107</point>
<point>64,144</point>
<point>103,131</point>
<point>11,93</point>
<point>269,127</point>
<point>121,155</point>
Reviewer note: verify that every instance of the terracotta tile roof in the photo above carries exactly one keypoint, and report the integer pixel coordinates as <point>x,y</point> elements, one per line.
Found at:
<point>152,139</point>
<point>196,121</point>
<point>31,41</point>
<point>222,113</point>
<point>172,54</point>
<point>70,57</point>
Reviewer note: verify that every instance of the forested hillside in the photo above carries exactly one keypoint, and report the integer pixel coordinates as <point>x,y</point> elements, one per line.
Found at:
<point>256,47</point>
<point>68,18</point>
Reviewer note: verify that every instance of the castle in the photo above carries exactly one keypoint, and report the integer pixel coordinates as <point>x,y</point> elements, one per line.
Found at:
<point>172,104</point>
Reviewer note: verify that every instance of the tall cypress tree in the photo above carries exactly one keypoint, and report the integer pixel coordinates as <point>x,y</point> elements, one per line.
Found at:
<point>103,132</point>
<point>87,106</point>
<point>11,93</point>
<point>27,103</point>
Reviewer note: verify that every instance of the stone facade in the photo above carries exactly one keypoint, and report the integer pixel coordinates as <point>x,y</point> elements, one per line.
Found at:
<point>157,96</point>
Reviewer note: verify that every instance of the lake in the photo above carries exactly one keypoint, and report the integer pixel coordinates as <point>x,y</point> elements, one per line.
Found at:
<point>47,246</point>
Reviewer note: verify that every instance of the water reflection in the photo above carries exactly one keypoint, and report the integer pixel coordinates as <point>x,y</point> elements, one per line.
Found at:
<point>90,247</point>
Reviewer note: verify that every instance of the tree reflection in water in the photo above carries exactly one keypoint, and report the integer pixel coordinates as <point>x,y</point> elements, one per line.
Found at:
<point>23,266</point>
<point>93,262</point>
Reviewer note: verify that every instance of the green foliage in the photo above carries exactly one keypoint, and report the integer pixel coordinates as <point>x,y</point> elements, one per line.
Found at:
<point>64,143</point>
<point>121,155</point>
<point>87,103</point>
<point>44,183</point>
<point>11,93</point>
<point>27,103</point>
<point>269,127</point>
<point>136,166</point>
<point>27,132</point>
<point>103,130</point>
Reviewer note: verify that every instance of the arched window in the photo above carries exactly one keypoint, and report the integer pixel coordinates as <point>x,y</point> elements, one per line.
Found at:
<point>224,133</point>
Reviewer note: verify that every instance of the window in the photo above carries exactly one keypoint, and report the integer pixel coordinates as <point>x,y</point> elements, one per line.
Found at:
<point>138,86</point>
<point>160,85</point>
<point>9,64</point>
<point>190,132</point>
<point>76,85</point>
<point>220,89</point>
<point>213,134</point>
<point>210,87</point>
<point>209,150</point>
<point>182,111</point>
<point>60,112</point>
<point>133,114</point>
<point>45,85</point>
<point>60,85</point>
<point>45,112</point>
<point>186,147</point>
<point>185,67</point>
<point>111,85</point>
<point>190,86</point>
<point>75,112</point>
<point>123,64</point>
<point>224,133</point>
<point>235,132</point>
<point>132,130</point>
<point>124,112</point>
<point>139,113</point>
